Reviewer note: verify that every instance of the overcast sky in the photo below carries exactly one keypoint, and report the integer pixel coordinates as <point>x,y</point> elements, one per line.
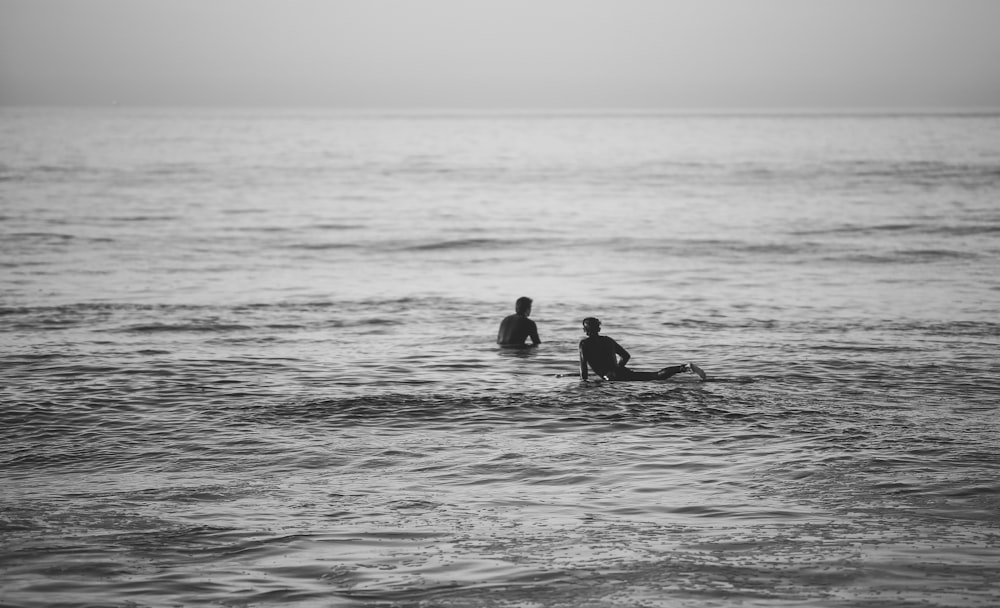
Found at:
<point>502,53</point>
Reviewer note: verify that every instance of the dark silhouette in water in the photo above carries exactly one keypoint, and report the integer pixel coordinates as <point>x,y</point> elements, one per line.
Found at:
<point>517,328</point>
<point>607,358</point>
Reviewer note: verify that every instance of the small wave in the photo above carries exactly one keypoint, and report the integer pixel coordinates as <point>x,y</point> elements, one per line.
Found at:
<point>145,218</point>
<point>322,246</point>
<point>458,244</point>
<point>905,256</point>
<point>175,169</point>
<point>974,230</point>
<point>207,327</point>
<point>45,236</point>
<point>949,328</point>
<point>929,255</point>
<point>99,307</point>
<point>936,229</point>
<point>337,227</point>
<point>51,173</point>
<point>243,211</point>
<point>850,229</point>
<point>745,250</point>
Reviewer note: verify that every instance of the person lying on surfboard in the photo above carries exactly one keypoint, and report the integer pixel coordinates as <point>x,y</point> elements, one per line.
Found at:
<point>517,328</point>
<point>607,358</point>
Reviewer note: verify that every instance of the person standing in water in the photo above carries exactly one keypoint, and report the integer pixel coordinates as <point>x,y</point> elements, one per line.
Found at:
<point>517,328</point>
<point>607,358</point>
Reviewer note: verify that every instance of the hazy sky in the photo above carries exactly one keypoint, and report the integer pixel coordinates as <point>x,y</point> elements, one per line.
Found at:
<point>502,53</point>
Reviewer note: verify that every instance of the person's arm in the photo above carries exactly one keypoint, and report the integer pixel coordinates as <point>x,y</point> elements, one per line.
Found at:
<point>583,364</point>
<point>535,340</point>
<point>502,332</point>
<point>621,352</point>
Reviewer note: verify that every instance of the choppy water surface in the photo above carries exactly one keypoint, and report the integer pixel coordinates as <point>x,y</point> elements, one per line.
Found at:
<point>247,359</point>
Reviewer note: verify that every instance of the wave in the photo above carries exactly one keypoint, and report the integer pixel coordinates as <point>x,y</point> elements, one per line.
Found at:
<point>310,305</point>
<point>324,246</point>
<point>917,256</point>
<point>184,327</point>
<point>791,252</point>
<point>461,244</point>
<point>42,236</point>
<point>842,175</point>
<point>286,319</point>
<point>927,228</point>
<point>145,218</point>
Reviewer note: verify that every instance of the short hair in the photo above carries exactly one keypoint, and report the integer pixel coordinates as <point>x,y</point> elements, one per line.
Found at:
<point>523,303</point>
<point>591,321</point>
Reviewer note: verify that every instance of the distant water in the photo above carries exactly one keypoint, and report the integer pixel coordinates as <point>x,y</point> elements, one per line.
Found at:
<point>246,358</point>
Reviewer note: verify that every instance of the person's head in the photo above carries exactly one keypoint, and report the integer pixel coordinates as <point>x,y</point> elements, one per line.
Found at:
<point>592,326</point>
<point>523,306</point>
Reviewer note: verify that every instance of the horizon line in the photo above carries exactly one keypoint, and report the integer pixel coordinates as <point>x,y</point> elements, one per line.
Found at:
<point>537,110</point>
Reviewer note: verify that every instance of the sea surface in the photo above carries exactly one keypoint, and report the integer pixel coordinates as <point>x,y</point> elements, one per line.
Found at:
<point>247,359</point>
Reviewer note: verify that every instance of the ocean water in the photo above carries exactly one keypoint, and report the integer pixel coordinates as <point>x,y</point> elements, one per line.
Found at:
<point>247,359</point>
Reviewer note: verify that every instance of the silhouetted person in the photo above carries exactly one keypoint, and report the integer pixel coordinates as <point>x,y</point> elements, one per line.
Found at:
<point>517,328</point>
<point>607,358</point>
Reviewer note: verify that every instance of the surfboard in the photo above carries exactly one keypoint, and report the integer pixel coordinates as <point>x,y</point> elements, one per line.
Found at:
<point>691,366</point>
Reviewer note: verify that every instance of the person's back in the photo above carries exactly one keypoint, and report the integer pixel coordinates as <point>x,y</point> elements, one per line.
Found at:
<point>601,353</point>
<point>515,329</point>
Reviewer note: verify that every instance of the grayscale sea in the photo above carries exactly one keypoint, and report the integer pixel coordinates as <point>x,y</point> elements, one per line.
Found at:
<point>247,359</point>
